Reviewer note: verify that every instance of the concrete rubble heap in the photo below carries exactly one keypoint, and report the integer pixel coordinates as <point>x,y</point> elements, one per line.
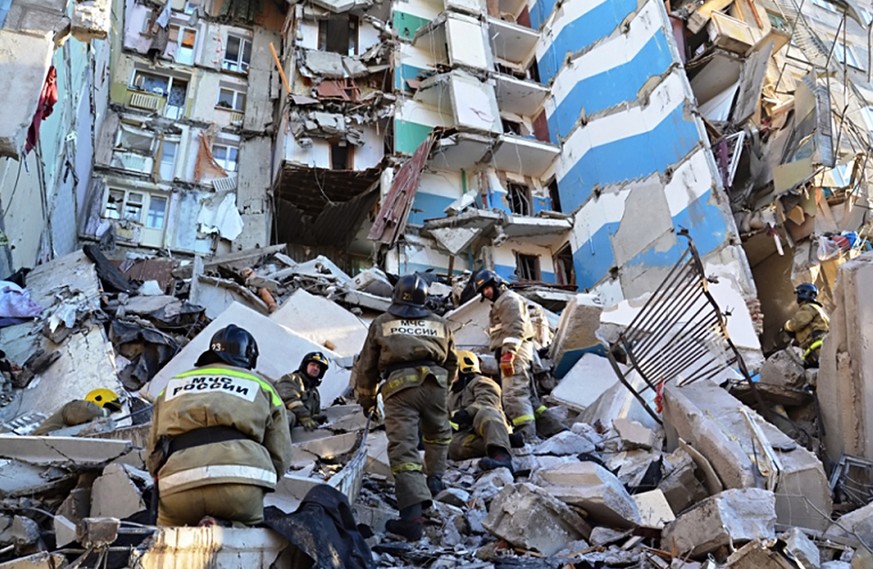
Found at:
<point>713,479</point>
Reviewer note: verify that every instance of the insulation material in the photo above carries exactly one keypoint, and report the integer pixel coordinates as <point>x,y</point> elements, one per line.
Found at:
<point>219,215</point>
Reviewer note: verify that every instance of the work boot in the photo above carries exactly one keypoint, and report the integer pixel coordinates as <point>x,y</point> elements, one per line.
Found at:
<point>516,440</point>
<point>435,485</point>
<point>497,458</point>
<point>547,425</point>
<point>528,432</point>
<point>410,526</point>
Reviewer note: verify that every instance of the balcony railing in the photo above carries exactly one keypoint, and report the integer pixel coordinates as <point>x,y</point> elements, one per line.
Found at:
<point>146,101</point>
<point>132,161</point>
<point>236,118</point>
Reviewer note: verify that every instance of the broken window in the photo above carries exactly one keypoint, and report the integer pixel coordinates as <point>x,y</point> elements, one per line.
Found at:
<point>237,54</point>
<point>527,267</point>
<point>519,199</point>
<point>133,207</point>
<point>341,156</point>
<point>185,40</point>
<point>226,156</point>
<point>231,99</point>
<point>157,212</point>
<point>144,81</point>
<point>114,203</point>
<point>554,195</point>
<point>564,272</point>
<point>512,127</point>
<point>168,159</point>
<point>177,98</point>
<point>338,34</point>
<point>134,139</point>
<point>846,55</point>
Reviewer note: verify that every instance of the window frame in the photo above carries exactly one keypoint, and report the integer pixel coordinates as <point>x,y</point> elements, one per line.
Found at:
<point>239,65</point>
<point>144,206</point>
<point>224,163</point>
<point>236,95</point>
<point>521,267</point>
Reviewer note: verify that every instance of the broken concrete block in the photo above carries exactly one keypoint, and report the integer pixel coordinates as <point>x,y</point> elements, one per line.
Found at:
<point>853,526</point>
<point>655,511</point>
<point>630,466</point>
<point>717,425</point>
<point>492,483</point>
<point>836,565</point>
<point>758,555</point>
<point>41,560</point>
<point>227,548</point>
<point>374,281</point>
<point>801,548</point>
<point>77,505</point>
<point>527,516</point>
<point>97,532</point>
<point>617,402</point>
<point>585,382</point>
<point>65,531</point>
<point>114,494</point>
<point>680,484</point>
<point>636,436</point>
<point>594,489</point>
<point>734,516</point>
<point>24,531</point>
<point>589,433</point>
<point>577,330</point>
<point>604,536</point>
<point>454,497</point>
<point>563,444</point>
<point>784,368</point>
<point>335,327</point>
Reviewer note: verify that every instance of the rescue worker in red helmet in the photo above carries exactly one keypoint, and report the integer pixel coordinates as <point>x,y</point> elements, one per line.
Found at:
<point>299,391</point>
<point>413,351</point>
<point>219,439</point>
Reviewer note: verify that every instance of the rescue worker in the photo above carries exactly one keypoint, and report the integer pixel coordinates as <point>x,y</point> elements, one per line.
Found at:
<point>809,324</point>
<point>219,439</point>
<point>477,417</point>
<point>511,333</point>
<point>413,350</point>
<point>98,403</point>
<point>299,391</point>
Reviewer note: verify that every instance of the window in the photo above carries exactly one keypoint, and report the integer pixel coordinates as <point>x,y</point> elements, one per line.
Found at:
<point>341,157</point>
<point>130,205</point>
<point>150,82</point>
<point>519,199</point>
<point>226,156</point>
<point>237,54</point>
<point>157,212</point>
<point>134,139</point>
<point>231,99</point>
<point>527,267</point>
<point>564,272</point>
<point>168,159</point>
<point>512,127</point>
<point>185,39</point>
<point>338,34</point>
<point>825,4</point>
<point>554,195</point>
<point>845,55</point>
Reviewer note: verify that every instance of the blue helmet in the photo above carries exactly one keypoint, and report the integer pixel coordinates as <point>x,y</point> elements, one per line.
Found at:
<point>806,292</point>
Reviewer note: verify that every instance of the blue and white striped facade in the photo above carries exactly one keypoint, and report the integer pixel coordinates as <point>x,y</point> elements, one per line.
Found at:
<point>635,164</point>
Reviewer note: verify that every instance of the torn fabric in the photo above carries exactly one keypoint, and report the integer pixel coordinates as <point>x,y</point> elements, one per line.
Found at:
<point>220,215</point>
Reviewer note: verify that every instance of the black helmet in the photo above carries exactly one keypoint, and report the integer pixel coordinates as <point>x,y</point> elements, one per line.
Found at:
<point>318,358</point>
<point>806,292</point>
<point>410,294</point>
<point>486,278</point>
<point>232,345</point>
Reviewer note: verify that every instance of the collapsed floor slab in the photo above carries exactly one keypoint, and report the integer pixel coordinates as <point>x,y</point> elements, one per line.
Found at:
<point>323,322</point>
<point>718,426</point>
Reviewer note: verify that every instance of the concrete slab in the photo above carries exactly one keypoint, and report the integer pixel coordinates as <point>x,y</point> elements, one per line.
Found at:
<point>635,436</point>
<point>323,322</point>
<point>577,329</point>
<point>680,485</point>
<point>711,421</point>
<point>20,479</point>
<point>585,382</point>
<point>853,526</point>
<point>469,323</point>
<point>41,560</point>
<point>527,516</point>
<point>211,548</point>
<point>65,531</point>
<point>592,488</point>
<point>801,548</point>
<point>618,402</point>
<point>27,58</point>
<point>281,351</point>
<point>784,369</point>
<point>115,494</point>
<point>655,511</point>
<point>565,443</point>
<point>732,517</point>
<point>758,555</point>
<point>63,450</point>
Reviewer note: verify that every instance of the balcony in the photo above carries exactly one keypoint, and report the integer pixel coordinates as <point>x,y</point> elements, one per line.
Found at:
<point>236,118</point>
<point>512,43</point>
<point>145,101</point>
<point>524,98</point>
<point>466,101</point>
<point>521,155</point>
<point>455,40</point>
<point>132,162</point>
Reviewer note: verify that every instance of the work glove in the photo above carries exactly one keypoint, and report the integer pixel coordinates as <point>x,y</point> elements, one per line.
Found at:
<point>321,418</point>
<point>462,420</point>
<point>507,368</point>
<point>308,423</point>
<point>367,403</point>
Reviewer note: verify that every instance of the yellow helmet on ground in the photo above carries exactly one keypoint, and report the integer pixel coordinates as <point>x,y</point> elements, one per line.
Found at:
<point>468,362</point>
<point>105,398</point>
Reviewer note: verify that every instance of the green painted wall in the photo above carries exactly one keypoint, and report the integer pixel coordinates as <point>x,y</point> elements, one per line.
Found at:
<point>408,135</point>
<point>407,24</point>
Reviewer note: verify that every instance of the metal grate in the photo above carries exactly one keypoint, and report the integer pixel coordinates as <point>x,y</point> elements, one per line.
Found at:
<point>145,101</point>
<point>680,333</point>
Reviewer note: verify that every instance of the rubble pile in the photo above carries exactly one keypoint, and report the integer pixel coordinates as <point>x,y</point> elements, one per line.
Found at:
<point>708,482</point>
